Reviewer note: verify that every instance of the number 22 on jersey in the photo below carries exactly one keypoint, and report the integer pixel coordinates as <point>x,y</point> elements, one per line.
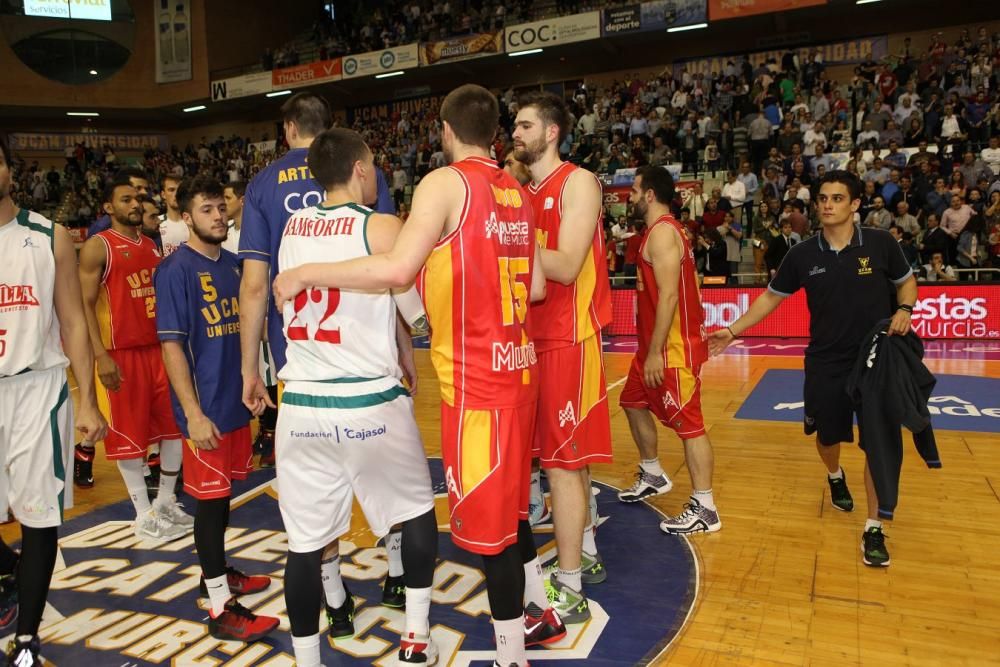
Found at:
<point>310,301</point>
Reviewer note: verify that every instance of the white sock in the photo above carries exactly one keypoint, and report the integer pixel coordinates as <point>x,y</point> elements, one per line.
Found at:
<point>651,466</point>
<point>705,498</point>
<point>510,641</point>
<point>146,472</point>
<point>333,586</point>
<point>171,453</point>
<point>593,506</point>
<point>394,552</point>
<point>571,578</point>
<point>534,589</point>
<point>536,484</point>
<point>306,650</point>
<point>590,540</point>
<point>135,482</point>
<point>872,523</point>
<point>418,610</point>
<point>218,593</point>
<point>836,475</point>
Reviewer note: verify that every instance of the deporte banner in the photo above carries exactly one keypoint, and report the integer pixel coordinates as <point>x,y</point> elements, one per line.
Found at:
<point>558,30</point>
<point>653,15</point>
<point>380,62</point>
<point>462,48</point>
<point>309,74</point>
<point>621,20</point>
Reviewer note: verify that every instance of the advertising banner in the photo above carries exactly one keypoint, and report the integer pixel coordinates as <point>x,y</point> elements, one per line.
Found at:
<point>384,110</point>
<point>663,14</point>
<point>558,30</point>
<point>93,10</point>
<point>380,62</point>
<point>621,20</point>
<point>173,40</point>
<point>48,142</point>
<point>257,83</point>
<point>309,74</point>
<point>461,48</point>
<point>732,9</point>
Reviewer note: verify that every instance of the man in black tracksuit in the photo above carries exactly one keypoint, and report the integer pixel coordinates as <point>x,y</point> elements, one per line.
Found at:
<point>853,279</point>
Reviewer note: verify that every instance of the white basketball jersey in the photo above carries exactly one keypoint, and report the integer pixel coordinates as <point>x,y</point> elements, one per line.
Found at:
<point>232,242</point>
<point>172,234</point>
<point>335,334</point>
<point>29,328</point>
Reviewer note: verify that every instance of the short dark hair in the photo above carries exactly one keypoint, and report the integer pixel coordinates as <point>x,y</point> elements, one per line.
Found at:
<point>132,172</point>
<point>845,178</point>
<point>551,109</point>
<point>190,188</point>
<point>239,188</point>
<point>659,181</point>
<point>5,149</point>
<point>119,180</point>
<point>170,177</point>
<point>310,113</point>
<point>333,154</point>
<point>473,114</point>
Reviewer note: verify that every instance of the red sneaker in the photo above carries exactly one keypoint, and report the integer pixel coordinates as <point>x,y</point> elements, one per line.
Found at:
<point>544,629</point>
<point>239,623</point>
<point>417,650</point>
<point>239,583</point>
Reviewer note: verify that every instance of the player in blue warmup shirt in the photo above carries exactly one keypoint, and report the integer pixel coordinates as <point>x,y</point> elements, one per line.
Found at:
<point>197,319</point>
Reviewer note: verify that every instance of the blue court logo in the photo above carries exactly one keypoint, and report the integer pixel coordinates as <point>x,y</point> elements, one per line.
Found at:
<point>116,600</point>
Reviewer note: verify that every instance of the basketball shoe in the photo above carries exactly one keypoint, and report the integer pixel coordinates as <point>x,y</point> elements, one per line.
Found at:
<point>696,518</point>
<point>24,653</point>
<point>591,569</point>
<point>239,583</point>
<point>263,446</point>
<point>152,526</point>
<point>83,467</point>
<point>417,649</point>
<point>170,509</point>
<point>645,485</point>
<point>538,511</point>
<point>239,623</point>
<point>394,593</point>
<point>873,550</point>
<point>572,606</point>
<point>840,495</point>
<point>542,627</point>
<point>8,601</point>
<point>340,620</point>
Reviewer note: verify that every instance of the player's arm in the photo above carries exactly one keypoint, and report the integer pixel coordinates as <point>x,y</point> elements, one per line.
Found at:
<point>902,277</point>
<point>73,328</point>
<point>435,202</point>
<point>538,277</point>
<point>582,202</point>
<point>203,433</point>
<point>665,256</point>
<point>381,233</point>
<point>404,344</point>
<point>93,262</point>
<point>253,310</point>
<point>761,307</point>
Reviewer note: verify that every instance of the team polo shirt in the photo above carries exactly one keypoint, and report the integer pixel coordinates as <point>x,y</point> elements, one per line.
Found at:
<point>197,304</point>
<point>847,292</point>
<point>283,187</point>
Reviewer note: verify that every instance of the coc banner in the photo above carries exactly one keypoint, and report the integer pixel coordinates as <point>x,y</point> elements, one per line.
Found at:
<point>558,30</point>
<point>461,48</point>
<point>953,311</point>
<point>173,41</point>
<point>732,9</point>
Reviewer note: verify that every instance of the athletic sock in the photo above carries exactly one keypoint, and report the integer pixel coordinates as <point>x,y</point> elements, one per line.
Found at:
<point>534,589</point>
<point>651,466</point>
<point>571,578</point>
<point>218,593</point>
<point>306,650</point>
<point>705,499</point>
<point>872,523</point>
<point>510,641</point>
<point>836,475</point>
<point>536,484</point>
<point>418,610</point>
<point>590,540</point>
<point>171,454</point>
<point>333,585</point>
<point>394,552</point>
<point>131,470</point>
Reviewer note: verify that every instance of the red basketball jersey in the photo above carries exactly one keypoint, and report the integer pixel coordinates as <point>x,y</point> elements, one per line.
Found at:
<point>570,313</point>
<point>687,345</point>
<point>126,304</point>
<point>476,287</point>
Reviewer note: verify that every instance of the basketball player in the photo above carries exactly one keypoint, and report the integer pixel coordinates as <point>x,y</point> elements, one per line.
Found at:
<point>151,221</point>
<point>116,274</point>
<point>197,319</point>
<point>850,278</point>
<point>234,192</point>
<point>664,379</point>
<point>471,226</point>
<point>517,169</point>
<point>173,231</point>
<point>342,377</point>
<point>573,429</point>
<point>137,178</point>
<point>42,330</point>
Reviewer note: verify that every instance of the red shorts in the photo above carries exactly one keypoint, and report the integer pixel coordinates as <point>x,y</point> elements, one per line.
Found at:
<point>676,402</point>
<point>208,473</point>
<point>487,468</point>
<point>139,413</point>
<point>573,428</point>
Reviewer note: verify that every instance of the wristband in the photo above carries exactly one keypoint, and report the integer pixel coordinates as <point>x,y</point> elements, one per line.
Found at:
<point>731,332</point>
<point>906,307</point>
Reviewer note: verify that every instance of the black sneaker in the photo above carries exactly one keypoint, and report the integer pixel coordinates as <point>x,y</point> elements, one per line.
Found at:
<point>264,447</point>
<point>8,601</point>
<point>840,495</point>
<point>83,467</point>
<point>341,619</point>
<point>394,593</point>
<point>24,654</point>
<point>873,550</point>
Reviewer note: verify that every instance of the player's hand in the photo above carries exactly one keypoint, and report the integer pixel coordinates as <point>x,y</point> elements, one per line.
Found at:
<point>652,371</point>
<point>90,422</point>
<point>718,341</point>
<point>286,287</point>
<point>203,433</point>
<point>900,324</point>
<point>255,395</point>
<point>409,372</point>
<point>108,372</point>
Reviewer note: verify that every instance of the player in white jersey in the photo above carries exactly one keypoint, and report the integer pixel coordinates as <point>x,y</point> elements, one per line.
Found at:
<point>173,230</point>
<point>234,191</point>
<point>42,329</point>
<point>346,427</point>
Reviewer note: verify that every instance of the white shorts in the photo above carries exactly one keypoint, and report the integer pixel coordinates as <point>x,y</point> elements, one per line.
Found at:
<point>36,447</point>
<point>336,441</point>
<point>267,373</point>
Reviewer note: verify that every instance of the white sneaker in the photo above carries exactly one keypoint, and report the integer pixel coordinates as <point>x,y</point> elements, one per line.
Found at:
<point>170,509</point>
<point>645,485</point>
<point>417,649</point>
<point>152,526</point>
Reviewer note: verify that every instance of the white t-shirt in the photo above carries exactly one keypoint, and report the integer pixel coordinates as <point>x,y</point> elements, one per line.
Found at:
<point>232,242</point>
<point>172,234</point>
<point>991,156</point>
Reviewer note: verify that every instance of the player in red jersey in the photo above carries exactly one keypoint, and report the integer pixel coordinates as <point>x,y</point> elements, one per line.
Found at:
<point>665,377</point>
<point>116,274</point>
<point>573,429</point>
<point>471,233</point>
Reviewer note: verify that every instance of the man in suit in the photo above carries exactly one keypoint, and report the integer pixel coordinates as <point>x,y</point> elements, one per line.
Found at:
<point>779,247</point>
<point>935,240</point>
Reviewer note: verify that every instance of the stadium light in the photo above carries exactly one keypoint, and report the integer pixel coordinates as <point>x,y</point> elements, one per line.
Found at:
<point>87,114</point>
<point>93,72</point>
<point>528,52</point>
<point>279,93</point>
<point>197,108</point>
<point>865,2</point>
<point>696,26</point>
<point>398,72</point>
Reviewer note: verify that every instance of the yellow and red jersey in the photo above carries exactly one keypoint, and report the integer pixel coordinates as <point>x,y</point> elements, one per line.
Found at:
<point>476,287</point>
<point>572,313</point>
<point>126,303</point>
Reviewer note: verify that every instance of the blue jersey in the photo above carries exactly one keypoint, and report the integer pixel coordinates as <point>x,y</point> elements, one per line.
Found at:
<point>197,303</point>
<point>283,187</point>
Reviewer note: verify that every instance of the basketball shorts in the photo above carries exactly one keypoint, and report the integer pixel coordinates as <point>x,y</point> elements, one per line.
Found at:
<point>338,441</point>
<point>139,413</point>
<point>676,402</point>
<point>573,427</point>
<point>209,473</point>
<point>487,471</point>
<point>266,366</point>
<point>36,447</point>
<point>829,411</point>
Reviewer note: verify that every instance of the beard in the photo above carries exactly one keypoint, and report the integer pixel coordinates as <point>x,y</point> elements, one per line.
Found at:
<point>130,219</point>
<point>210,237</point>
<point>530,152</point>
